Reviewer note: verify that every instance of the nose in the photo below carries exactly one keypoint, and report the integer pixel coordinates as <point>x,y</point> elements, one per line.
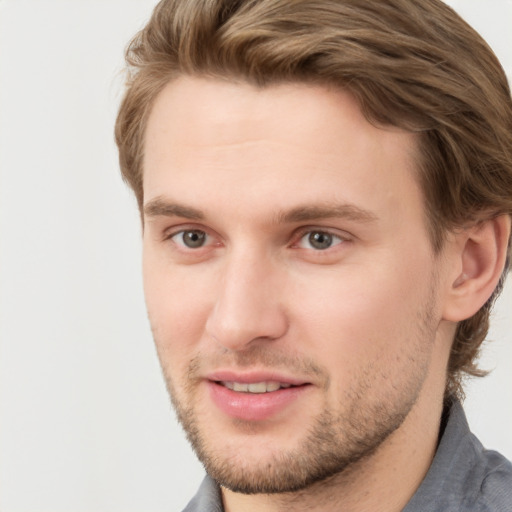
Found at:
<point>248,306</point>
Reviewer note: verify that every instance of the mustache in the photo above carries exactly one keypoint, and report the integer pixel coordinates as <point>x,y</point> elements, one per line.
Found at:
<point>264,356</point>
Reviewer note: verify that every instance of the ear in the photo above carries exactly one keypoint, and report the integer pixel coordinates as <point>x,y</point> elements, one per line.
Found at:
<point>479,258</point>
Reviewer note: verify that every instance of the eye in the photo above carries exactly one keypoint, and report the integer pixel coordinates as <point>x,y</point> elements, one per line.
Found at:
<point>319,240</point>
<point>190,238</point>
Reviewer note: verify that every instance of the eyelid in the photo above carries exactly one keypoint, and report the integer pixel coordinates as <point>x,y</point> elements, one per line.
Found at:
<point>171,231</point>
<point>306,243</point>
<point>167,236</point>
<point>344,236</point>
<point>178,239</point>
<point>213,239</point>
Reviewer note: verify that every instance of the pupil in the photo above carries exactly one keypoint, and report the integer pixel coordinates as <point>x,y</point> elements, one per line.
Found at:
<point>193,239</point>
<point>320,240</point>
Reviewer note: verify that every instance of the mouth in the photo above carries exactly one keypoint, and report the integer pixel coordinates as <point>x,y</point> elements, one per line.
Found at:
<point>255,387</point>
<point>255,398</point>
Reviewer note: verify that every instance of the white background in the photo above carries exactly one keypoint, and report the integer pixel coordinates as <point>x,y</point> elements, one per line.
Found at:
<point>85,422</point>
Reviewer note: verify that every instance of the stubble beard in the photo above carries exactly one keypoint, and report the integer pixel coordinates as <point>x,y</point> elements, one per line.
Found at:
<point>334,443</point>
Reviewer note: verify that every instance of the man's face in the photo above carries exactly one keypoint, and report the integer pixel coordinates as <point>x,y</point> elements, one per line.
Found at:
<point>289,278</point>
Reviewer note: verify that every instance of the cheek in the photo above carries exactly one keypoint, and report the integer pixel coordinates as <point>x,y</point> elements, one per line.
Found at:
<point>366,316</point>
<point>177,310</point>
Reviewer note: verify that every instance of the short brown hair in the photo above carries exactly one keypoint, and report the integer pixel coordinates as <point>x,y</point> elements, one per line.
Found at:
<point>415,65</point>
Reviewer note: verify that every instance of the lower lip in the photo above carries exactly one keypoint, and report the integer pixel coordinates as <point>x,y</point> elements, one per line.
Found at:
<point>253,406</point>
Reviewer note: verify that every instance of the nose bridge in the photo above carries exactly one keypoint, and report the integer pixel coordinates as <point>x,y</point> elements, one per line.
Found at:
<point>247,304</point>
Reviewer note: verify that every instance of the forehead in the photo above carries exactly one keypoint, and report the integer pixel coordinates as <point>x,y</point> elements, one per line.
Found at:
<point>284,145</point>
<point>189,107</point>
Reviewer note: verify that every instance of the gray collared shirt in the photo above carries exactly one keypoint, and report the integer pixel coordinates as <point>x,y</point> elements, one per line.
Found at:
<point>463,477</point>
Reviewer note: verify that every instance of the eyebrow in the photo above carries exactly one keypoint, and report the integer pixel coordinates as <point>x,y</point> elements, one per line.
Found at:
<point>317,212</point>
<point>305,213</point>
<point>160,207</point>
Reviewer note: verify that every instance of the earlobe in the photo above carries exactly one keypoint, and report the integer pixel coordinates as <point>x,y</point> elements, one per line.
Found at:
<point>481,254</point>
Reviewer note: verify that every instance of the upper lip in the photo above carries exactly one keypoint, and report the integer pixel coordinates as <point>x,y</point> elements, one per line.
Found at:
<point>252,377</point>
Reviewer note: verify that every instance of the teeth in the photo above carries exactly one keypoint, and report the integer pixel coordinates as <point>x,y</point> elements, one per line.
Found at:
<point>237,386</point>
<point>255,387</point>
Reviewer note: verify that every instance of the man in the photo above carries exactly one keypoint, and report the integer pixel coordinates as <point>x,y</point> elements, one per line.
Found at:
<point>326,195</point>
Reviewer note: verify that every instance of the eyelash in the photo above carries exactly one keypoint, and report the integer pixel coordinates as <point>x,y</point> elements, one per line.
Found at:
<point>174,234</point>
<point>309,232</point>
<point>335,239</point>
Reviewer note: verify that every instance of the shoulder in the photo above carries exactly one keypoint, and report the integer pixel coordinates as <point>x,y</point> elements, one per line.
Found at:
<point>486,475</point>
<point>207,499</point>
<point>464,476</point>
<point>495,490</point>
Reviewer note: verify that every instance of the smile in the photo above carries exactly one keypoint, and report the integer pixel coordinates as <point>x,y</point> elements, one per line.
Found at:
<point>255,387</point>
<point>257,400</point>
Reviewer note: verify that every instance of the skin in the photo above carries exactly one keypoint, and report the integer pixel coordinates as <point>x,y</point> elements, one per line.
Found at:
<point>365,321</point>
